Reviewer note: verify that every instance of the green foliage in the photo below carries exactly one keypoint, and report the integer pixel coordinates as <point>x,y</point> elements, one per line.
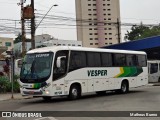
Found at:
<point>19,39</point>
<point>6,85</point>
<point>140,32</point>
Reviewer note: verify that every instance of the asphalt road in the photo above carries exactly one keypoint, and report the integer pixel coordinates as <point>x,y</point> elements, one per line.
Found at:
<point>145,98</point>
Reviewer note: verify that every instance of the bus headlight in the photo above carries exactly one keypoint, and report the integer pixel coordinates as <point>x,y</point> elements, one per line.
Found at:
<point>47,92</point>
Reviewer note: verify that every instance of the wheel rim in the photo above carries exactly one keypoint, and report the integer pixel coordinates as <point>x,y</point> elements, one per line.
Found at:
<point>74,92</point>
<point>124,87</point>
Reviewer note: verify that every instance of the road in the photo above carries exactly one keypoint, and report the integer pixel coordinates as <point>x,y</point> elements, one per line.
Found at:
<point>146,98</point>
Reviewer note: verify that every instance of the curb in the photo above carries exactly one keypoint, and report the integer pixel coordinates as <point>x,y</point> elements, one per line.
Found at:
<point>16,98</point>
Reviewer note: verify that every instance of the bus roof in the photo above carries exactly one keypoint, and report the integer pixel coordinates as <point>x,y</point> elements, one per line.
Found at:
<point>57,48</point>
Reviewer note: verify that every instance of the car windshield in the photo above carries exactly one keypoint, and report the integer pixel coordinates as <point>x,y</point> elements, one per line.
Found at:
<point>36,66</point>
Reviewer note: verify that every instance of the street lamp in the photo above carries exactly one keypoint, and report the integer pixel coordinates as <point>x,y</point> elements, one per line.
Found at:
<point>46,15</point>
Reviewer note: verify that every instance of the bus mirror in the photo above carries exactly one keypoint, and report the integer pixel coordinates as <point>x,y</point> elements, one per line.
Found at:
<point>58,62</point>
<point>61,61</point>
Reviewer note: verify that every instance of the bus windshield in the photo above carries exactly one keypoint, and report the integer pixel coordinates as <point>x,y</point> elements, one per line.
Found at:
<point>36,67</point>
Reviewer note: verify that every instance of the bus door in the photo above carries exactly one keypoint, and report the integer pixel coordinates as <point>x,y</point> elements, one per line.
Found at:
<point>59,72</point>
<point>153,72</point>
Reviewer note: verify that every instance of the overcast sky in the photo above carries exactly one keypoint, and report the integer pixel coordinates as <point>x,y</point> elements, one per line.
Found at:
<point>132,11</point>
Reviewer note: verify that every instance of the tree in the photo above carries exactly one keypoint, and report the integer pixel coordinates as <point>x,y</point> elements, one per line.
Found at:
<point>19,39</point>
<point>142,31</point>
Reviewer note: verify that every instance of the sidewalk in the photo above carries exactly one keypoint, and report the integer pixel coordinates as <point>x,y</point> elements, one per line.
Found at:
<point>7,96</point>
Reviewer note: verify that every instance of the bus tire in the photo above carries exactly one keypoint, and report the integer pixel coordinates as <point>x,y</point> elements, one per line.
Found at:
<point>47,98</point>
<point>124,87</point>
<point>75,92</point>
<point>159,79</point>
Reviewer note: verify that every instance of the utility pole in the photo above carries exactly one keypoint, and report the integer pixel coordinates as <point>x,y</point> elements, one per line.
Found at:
<point>32,26</point>
<point>119,33</point>
<point>23,29</point>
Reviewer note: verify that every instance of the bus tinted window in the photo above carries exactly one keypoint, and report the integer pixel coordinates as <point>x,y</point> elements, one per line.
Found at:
<point>106,59</point>
<point>119,60</point>
<point>153,68</point>
<point>142,60</point>
<point>131,60</point>
<point>93,59</point>
<point>77,60</point>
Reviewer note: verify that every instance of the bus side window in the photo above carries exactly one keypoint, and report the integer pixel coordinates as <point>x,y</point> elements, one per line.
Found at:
<point>153,68</point>
<point>77,60</point>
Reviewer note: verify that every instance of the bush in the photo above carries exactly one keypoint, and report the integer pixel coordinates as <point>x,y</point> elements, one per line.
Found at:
<point>6,85</point>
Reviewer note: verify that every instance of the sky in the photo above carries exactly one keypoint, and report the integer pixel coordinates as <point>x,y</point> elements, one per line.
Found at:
<point>60,21</point>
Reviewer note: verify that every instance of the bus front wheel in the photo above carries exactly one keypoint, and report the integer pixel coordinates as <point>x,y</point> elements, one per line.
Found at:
<point>75,92</point>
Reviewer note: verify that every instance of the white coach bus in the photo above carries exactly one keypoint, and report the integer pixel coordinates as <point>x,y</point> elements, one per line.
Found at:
<point>72,71</point>
<point>154,71</point>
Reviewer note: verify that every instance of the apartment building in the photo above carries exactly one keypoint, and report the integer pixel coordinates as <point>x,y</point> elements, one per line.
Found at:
<point>6,43</point>
<point>98,22</point>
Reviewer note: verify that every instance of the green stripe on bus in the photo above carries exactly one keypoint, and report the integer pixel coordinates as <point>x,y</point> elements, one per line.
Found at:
<point>130,72</point>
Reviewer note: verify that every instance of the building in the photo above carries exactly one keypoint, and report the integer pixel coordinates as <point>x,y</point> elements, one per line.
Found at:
<point>42,38</point>
<point>98,22</point>
<point>45,40</point>
<point>7,42</point>
<point>63,43</point>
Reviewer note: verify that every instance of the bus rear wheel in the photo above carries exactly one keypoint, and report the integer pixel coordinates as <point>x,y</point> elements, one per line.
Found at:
<point>75,92</point>
<point>124,87</point>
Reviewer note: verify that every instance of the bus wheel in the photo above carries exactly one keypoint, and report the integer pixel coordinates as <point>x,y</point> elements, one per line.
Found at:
<point>159,79</point>
<point>46,98</point>
<point>74,92</point>
<point>124,87</point>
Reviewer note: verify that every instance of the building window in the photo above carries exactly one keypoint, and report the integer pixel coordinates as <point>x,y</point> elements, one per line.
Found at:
<point>109,9</point>
<point>96,38</point>
<point>90,34</point>
<point>105,38</point>
<point>110,38</point>
<point>90,28</point>
<point>91,43</point>
<point>109,18</point>
<point>91,38</point>
<point>89,4</point>
<point>8,44</point>
<point>96,43</point>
